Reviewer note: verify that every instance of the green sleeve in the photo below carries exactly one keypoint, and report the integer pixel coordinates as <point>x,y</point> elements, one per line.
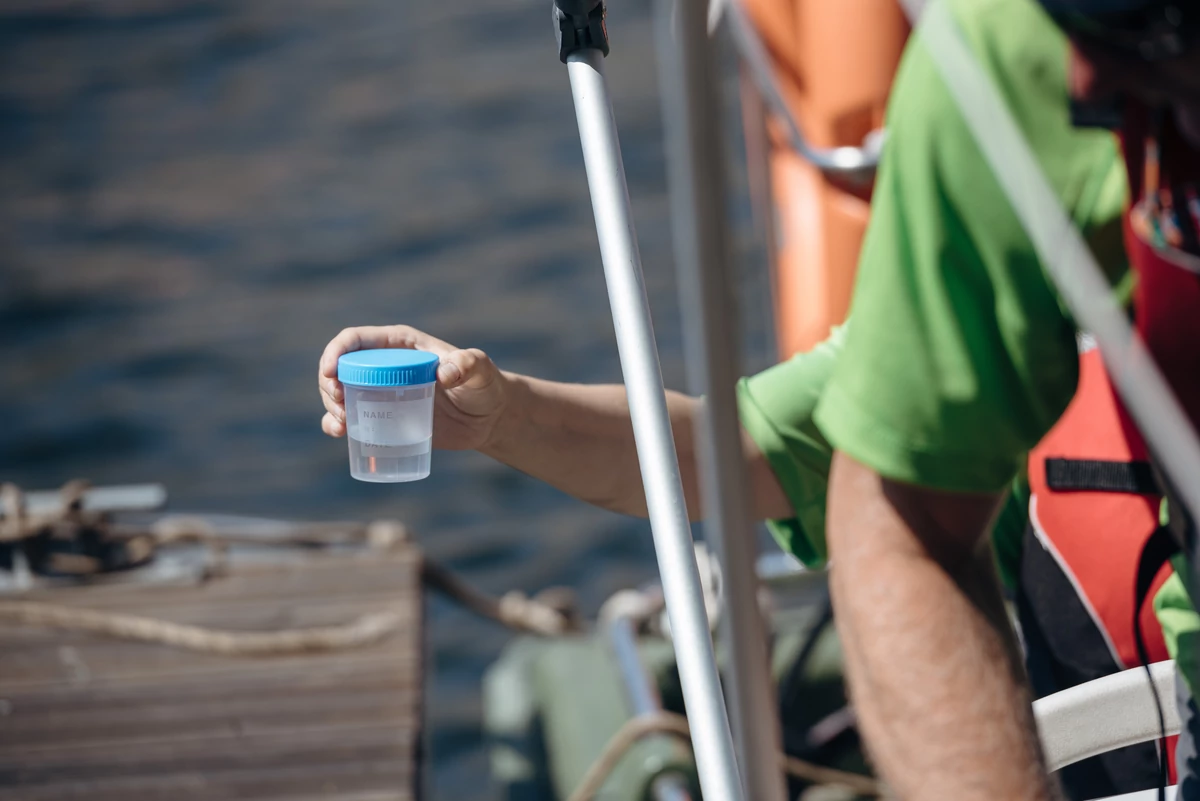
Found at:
<point>961,356</point>
<point>1008,533</point>
<point>1180,624</point>
<point>776,408</point>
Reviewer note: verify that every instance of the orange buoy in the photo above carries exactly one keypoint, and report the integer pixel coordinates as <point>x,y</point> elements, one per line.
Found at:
<point>833,64</point>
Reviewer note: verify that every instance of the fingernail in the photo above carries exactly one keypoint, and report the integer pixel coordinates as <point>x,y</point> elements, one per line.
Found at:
<point>450,373</point>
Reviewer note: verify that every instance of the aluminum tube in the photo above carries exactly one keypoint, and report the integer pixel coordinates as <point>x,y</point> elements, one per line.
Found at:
<point>642,694</point>
<point>758,172</point>
<point>707,299</point>
<point>711,739</point>
<point>643,699</point>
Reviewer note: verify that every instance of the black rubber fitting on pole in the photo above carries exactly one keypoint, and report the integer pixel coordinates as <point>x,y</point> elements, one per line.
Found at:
<point>579,25</point>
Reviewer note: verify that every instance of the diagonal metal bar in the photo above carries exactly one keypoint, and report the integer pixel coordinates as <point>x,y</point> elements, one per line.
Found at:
<point>695,162</point>
<point>712,742</point>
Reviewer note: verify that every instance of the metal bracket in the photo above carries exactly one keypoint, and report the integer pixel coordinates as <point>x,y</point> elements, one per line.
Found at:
<point>856,164</point>
<point>579,25</point>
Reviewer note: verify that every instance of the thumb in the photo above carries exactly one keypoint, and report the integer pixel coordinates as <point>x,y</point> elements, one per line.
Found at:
<point>448,374</point>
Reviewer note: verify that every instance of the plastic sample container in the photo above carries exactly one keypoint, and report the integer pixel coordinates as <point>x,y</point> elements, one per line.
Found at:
<point>389,413</point>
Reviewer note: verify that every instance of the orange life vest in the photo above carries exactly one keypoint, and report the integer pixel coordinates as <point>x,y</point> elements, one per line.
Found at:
<point>1093,507</point>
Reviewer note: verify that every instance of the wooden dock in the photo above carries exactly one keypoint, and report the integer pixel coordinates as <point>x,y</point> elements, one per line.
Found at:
<point>87,716</point>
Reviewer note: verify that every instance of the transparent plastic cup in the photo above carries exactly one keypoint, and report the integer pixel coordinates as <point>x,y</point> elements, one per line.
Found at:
<point>389,413</point>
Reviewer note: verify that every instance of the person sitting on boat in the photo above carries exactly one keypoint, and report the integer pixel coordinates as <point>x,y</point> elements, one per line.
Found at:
<point>960,357</point>
<point>541,427</point>
<point>1067,640</point>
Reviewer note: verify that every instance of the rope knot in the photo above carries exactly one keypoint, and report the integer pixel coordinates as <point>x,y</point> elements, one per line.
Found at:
<point>519,611</point>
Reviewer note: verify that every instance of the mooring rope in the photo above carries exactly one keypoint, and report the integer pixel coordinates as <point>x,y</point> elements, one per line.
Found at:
<point>365,630</point>
<point>670,723</point>
<point>549,614</point>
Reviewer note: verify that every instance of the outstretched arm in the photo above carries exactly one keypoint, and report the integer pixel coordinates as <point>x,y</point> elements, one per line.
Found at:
<point>578,438</point>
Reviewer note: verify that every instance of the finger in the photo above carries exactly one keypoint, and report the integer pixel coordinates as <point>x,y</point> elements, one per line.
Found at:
<point>378,336</point>
<point>333,405</point>
<point>449,374</point>
<point>470,367</point>
<point>332,388</point>
<point>332,426</point>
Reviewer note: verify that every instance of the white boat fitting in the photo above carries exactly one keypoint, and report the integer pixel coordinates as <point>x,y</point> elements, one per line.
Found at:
<point>1144,795</point>
<point>1108,713</point>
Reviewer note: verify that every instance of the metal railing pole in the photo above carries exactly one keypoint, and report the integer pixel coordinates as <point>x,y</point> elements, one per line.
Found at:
<point>643,699</point>
<point>712,742</point>
<point>708,303</point>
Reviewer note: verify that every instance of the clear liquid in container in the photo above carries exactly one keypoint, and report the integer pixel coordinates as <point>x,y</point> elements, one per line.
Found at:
<point>390,430</point>
<point>389,463</point>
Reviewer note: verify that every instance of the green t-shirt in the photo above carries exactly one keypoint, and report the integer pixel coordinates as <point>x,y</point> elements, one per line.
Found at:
<point>1180,624</point>
<point>963,356</point>
<point>776,408</point>
<point>960,357</point>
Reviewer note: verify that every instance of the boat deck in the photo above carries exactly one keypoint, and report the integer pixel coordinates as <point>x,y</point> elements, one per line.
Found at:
<point>91,716</point>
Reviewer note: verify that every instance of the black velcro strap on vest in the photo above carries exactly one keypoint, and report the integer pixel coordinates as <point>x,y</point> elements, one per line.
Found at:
<point>1098,475</point>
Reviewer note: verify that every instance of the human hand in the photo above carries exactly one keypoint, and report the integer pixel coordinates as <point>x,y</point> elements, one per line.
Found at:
<point>471,396</point>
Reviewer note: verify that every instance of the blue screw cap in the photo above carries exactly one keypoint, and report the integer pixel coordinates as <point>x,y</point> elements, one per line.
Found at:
<point>387,367</point>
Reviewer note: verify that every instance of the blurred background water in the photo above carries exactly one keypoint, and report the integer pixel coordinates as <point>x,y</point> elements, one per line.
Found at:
<point>195,195</point>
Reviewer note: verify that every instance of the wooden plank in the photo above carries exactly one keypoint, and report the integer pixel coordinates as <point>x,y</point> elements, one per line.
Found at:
<point>77,657</point>
<point>317,593</point>
<point>29,719</point>
<point>326,781</point>
<point>371,571</point>
<point>102,718</point>
<point>218,717</point>
<point>205,751</point>
<point>304,676</point>
<point>201,607</point>
<point>363,781</point>
<point>215,671</point>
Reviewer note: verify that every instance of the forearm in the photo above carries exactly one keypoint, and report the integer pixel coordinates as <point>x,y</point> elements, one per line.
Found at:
<point>579,438</point>
<point>931,659</point>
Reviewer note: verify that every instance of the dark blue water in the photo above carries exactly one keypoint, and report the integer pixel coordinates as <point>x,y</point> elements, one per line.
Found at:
<point>195,195</point>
